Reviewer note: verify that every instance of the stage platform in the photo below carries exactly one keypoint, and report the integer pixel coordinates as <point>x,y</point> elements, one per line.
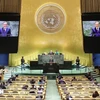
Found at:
<point>27,71</point>
<point>74,71</point>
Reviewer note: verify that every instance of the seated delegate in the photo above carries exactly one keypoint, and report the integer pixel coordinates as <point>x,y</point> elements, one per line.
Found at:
<point>61,81</point>
<point>39,91</point>
<point>25,87</point>
<point>74,79</point>
<point>33,87</point>
<point>32,81</point>
<point>95,94</point>
<point>39,97</point>
<point>57,53</point>
<point>59,76</point>
<point>41,87</point>
<point>52,53</point>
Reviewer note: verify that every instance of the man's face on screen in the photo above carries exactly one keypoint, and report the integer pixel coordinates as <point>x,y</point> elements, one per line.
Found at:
<point>97,24</point>
<point>5,25</point>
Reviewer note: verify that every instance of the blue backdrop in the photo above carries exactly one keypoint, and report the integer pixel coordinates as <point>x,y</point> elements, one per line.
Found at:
<point>4,58</point>
<point>96,59</point>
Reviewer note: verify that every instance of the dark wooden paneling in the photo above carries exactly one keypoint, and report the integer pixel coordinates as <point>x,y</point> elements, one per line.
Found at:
<point>90,6</point>
<point>1,5</point>
<point>95,5</point>
<point>10,6</point>
<point>83,6</point>
<point>99,5</point>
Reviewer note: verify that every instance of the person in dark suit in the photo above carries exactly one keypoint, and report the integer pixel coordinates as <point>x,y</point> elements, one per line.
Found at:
<point>10,80</point>
<point>51,61</point>
<point>77,62</point>
<point>95,94</point>
<point>33,87</point>
<point>59,76</point>
<point>32,91</point>
<point>51,52</point>
<point>61,81</point>
<point>25,87</point>
<point>5,31</point>
<point>16,75</point>
<point>74,79</point>
<point>68,97</point>
<point>41,87</point>
<point>32,81</point>
<point>22,63</point>
<point>39,97</point>
<point>13,78</point>
<point>96,30</point>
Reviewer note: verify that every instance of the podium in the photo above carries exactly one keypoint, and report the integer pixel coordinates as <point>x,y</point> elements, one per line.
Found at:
<point>51,68</point>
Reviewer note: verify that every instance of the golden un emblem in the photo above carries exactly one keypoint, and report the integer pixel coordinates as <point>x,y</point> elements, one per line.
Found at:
<point>50,18</point>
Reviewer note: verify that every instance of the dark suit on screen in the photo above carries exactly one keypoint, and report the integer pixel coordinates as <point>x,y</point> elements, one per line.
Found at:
<point>5,32</point>
<point>95,32</point>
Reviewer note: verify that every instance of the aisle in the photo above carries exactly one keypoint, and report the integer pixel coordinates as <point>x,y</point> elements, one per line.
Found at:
<point>52,91</point>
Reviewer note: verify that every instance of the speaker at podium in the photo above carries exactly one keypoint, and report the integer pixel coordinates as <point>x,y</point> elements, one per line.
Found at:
<point>51,68</point>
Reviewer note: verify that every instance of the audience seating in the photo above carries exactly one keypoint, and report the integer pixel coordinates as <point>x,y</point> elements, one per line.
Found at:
<point>82,89</point>
<point>14,91</point>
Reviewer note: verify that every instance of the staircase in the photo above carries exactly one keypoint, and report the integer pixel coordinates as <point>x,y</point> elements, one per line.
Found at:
<point>95,76</point>
<point>7,74</point>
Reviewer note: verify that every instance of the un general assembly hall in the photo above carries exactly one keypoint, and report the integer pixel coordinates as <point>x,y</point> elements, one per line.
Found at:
<point>49,49</point>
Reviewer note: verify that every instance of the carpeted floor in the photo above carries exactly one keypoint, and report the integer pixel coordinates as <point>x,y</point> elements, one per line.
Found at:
<point>52,91</point>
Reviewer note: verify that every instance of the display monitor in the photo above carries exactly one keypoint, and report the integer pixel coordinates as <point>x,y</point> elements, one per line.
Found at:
<point>9,28</point>
<point>91,32</point>
<point>9,32</point>
<point>91,28</point>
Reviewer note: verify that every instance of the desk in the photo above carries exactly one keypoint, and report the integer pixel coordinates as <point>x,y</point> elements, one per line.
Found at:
<point>42,59</point>
<point>35,66</point>
<point>51,68</point>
